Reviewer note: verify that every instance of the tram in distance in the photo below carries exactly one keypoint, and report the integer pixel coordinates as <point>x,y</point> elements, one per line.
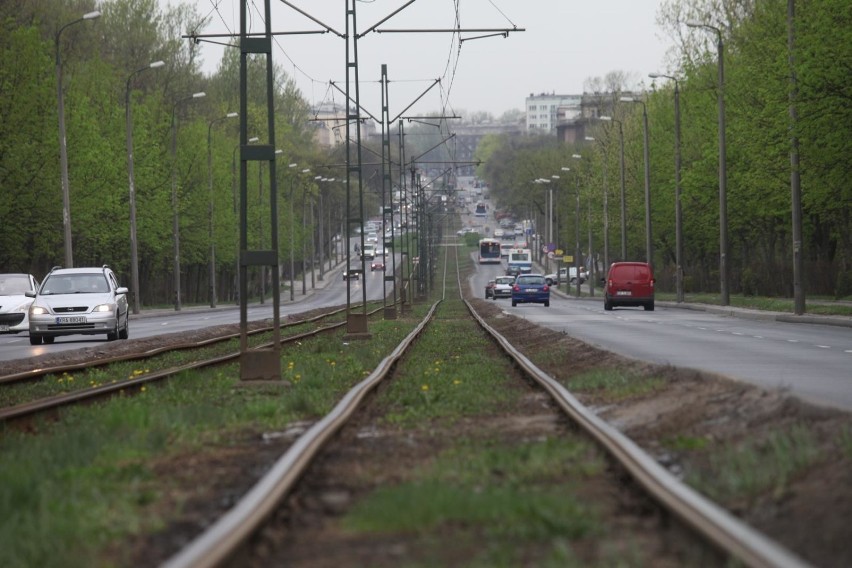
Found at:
<point>489,251</point>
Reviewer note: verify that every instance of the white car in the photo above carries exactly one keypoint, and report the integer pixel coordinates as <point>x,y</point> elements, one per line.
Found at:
<point>564,274</point>
<point>73,301</point>
<point>14,304</point>
<point>502,287</point>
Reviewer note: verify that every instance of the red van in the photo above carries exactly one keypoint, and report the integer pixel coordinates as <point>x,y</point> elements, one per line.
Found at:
<point>629,284</point>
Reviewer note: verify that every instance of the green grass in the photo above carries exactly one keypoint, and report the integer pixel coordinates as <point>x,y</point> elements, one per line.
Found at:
<point>615,385</point>
<point>820,306</point>
<point>87,480</point>
<point>759,467</point>
<point>52,385</point>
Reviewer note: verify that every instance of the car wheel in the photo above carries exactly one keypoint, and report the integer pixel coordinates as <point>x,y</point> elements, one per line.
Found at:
<point>125,333</point>
<point>573,280</point>
<point>514,304</point>
<point>49,339</point>
<point>547,304</point>
<point>113,335</point>
<point>549,281</point>
<point>649,307</point>
<point>35,340</point>
<point>607,305</point>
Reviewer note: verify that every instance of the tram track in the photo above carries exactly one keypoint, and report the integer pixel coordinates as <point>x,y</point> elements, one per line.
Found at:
<point>121,383</point>
<point>230,533</point>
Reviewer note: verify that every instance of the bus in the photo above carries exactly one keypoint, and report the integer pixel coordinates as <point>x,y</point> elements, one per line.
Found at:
<point>481,210</point>
<point>520,261</point>
<point>489,251</point>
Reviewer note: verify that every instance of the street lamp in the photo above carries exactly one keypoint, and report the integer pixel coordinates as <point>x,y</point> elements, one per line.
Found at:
<point>134,254</point>
<point>549,221</point>
<point>623,194</point>
<point>593,265</point>
<point>212,262</point>
<point>175,220</point>
<point>577,234</point>
<point>292,236</point>
<point>678,210</point>
<point>251,140</point>
<point>723,191</point>
<point>649,247</point>
<point>63,149</point>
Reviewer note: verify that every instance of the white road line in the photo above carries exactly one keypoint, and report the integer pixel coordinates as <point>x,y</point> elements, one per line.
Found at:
<point>824,346</point>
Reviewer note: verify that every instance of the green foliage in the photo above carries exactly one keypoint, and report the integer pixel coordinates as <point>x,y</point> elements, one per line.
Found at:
<point>104,63</point>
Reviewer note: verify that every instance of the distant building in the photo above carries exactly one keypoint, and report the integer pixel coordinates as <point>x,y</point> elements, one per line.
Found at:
<point>329,123</point>
<point>544,111</point>
<point>567,116</point>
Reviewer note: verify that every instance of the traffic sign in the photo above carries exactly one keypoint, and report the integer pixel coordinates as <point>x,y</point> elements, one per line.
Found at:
<point>568,259</point>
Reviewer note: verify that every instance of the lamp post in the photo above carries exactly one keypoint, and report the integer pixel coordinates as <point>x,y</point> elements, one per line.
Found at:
<point>723,191</point>
<point>63,149</point>
<point>623,195</point>
<point>292,236</point>
<point>678,210</point>
<point>212,261</point>
<point>576,230</point>
<point>175,218</point>
<point>649,247</point>
<point>251,140</point>
<point>549,221</point>
<point>134,254</point>
<point>593,266</point>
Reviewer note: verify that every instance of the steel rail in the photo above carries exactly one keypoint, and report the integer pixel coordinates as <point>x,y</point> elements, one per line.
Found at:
<point>35,373</point>
<point>727,532</point>
<point>53,402</point>
<point>221,540</point>
<point>44,404</point>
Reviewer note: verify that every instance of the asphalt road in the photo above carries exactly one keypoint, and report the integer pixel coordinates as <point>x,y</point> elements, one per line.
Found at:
<point>811,360</point>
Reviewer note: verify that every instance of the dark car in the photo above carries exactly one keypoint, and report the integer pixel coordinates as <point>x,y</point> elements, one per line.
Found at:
<point>489,289</point>
<point>351,273</point>
<point>629,284</point>
<point>530,289</point>
<point>513,270</point>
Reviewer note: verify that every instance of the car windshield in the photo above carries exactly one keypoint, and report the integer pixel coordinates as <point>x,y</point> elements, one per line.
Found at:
<point>14,284</point>
<point>75,284</point>
<point>506,280</point>
<point>531,280</point>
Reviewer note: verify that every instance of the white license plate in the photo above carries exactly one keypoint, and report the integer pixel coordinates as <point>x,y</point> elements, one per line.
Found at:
<point>623,293</point>
<point>4,327</point>
<point>71,319</point>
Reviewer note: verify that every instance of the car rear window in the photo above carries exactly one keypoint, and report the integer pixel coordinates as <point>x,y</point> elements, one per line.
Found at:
<point>530,280</point>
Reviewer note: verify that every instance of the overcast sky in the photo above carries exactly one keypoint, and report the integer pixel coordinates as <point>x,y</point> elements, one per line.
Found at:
<point>565,42</point>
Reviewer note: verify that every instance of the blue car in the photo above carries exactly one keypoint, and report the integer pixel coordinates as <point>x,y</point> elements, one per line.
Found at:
<point>531,289</point>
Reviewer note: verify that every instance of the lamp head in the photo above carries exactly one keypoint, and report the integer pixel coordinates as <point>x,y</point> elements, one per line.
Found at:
<point>91,15</point>
<point>232,115</point>
<point>199,95</point>
<point>156,64</point>
<point>627,99</point>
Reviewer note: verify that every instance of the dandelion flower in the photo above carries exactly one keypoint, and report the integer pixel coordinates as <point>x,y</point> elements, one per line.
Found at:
<point>424,388</point>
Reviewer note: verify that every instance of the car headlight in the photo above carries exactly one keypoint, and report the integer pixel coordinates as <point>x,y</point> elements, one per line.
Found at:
<point>25,306</point>
<point>38,310</point>
<point>104,308</point>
